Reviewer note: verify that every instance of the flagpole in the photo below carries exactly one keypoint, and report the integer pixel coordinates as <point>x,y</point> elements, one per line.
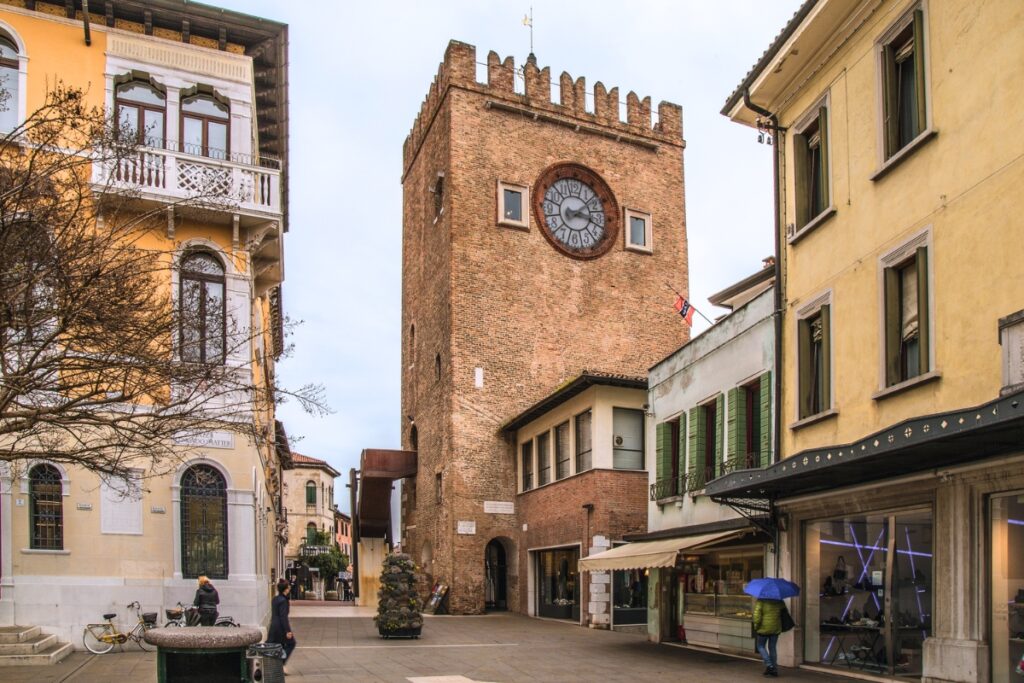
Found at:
<point>696,310</point>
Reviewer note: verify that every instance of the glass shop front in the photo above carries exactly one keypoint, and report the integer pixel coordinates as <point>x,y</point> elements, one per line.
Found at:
<point>1007,587</point>
<point>867,592</point>
<point>629,597</point>
<point>558,583</point>
<point>712,607</point>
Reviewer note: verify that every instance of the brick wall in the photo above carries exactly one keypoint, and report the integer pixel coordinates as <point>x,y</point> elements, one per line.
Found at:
<point>503,300</point>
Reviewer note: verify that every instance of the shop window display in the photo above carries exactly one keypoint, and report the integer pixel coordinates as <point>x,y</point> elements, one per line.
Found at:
<point>1007,588</point>
<point>715,582</point>
<point>558,588</point>
<point>869,592</point>
<point>629,592</point>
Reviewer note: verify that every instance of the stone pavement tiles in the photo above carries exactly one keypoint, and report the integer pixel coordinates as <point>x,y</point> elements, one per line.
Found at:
<point>496,648</point>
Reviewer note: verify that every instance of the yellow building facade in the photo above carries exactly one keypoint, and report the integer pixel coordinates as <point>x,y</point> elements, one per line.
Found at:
<point>898,490</point>
<point>212,86</point>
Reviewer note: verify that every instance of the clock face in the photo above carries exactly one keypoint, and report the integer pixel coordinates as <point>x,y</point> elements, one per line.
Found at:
<point>576,211</point>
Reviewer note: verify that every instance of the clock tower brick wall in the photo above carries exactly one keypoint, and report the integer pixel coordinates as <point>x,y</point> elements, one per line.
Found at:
<point>505,301</point>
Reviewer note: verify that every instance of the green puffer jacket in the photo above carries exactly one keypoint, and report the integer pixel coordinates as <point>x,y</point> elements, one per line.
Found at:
<point>768,617</point>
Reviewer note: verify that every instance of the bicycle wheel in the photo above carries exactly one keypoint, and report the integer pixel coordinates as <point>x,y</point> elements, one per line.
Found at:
<point>138,635</point>
<point>97,638</point>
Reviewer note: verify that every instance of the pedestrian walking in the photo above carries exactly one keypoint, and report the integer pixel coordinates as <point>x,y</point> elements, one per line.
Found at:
<point>768,626</point>
<point>280,630</point>
<point>206,600</point>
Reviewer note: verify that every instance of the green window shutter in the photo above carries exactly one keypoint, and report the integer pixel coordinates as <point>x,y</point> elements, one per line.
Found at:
<point>663,434</point>
<point>719,423</point>
<point>922,118</point>
<point>823,146</point>
<point>696,444</point>
<point>803,333</point>
<point>731,442</point>
<point>682,447</point>
<point>801,181</point>
<point>826,356</point>
<point>766,419</point>
<point>890,101</point>
<point>891,282</point>
<point>922,309</point>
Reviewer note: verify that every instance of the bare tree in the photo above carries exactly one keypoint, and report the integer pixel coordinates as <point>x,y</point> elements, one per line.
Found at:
<point>91,338</point>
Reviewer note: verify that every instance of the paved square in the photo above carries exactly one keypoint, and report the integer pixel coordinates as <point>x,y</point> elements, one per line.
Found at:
<point>494,648</point>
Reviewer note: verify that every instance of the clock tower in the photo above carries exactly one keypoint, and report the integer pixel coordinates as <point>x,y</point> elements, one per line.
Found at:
<point>538,238</point>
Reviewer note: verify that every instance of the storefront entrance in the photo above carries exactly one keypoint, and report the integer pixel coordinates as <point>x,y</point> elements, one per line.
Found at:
<point>558,586</point>
<point>1007,588</point>
<point>868,592</point>
<point>495,576</point>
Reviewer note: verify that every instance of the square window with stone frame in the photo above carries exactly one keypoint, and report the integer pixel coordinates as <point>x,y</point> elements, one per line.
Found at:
<point>814,362</point>
<point>513,202</point>
<point>639,231</point>
<point>904,100</point>
<point>811,167</point>
<point>907,311</point>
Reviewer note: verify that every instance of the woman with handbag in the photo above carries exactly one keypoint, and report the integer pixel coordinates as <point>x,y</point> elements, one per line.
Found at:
<point>768,626</point>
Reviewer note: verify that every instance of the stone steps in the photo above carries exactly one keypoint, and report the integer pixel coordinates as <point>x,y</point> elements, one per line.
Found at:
<point>28,646</point>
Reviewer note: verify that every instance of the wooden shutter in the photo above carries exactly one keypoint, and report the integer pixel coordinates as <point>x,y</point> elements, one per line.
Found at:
<point>826,357</point>
<point>719,423</point>
<point>891,101</point>
<point>922,310</point>
<point>801,183</point>
<point>823,147</point>
<point>803,333</point>
<point>696,443</point>
<point>922,118</point>
<point>766,419</point>
<point>892,326</point>
<point>663,449</point>
<point>732,416</point>
<point>682,449</point>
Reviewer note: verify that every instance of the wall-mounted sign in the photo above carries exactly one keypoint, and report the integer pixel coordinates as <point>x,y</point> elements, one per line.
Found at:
<point>466,528</point>
<point>207,440</point>
<point>158,510</point>
<point>499,507</point>
<point>83,506</point>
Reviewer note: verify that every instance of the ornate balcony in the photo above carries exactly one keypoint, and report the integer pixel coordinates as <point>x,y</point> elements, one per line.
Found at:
<point>237,184</point>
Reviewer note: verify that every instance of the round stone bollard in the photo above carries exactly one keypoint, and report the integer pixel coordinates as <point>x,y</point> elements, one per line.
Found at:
<point>202,654</point>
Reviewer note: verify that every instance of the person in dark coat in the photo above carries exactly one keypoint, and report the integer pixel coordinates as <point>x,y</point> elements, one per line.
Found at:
<point>280,630</point>
<point>206,600</point>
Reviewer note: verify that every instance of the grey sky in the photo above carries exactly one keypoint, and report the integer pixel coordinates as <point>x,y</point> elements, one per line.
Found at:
<point>358,73</point>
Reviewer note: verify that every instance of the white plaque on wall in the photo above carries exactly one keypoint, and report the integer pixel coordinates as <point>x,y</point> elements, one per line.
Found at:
<point>467,528</point>
<point>500,507</point>
<point>207,440</point>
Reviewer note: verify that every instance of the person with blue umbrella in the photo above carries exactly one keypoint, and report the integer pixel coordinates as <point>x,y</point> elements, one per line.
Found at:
<point>771,617</point>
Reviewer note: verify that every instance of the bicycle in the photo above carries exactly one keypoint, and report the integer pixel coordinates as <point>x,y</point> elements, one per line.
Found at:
<point>189,616</point>
<point>101,638</point>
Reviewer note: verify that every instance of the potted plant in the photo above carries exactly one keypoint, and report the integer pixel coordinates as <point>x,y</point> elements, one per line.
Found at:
<point>398,606</point>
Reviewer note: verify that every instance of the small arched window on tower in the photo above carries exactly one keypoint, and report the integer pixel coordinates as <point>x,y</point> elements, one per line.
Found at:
<point>414,438</point>
<point>412,344</point>
<point>9,77</point>
<point>141,110</point>
<point>311,534</point>
<point>437,366</point>
<point>203,333</point>
<point>311,493</point>
<point>438,191</point>
<point>205,123</point>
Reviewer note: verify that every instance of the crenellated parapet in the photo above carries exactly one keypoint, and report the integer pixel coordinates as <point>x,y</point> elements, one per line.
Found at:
<point>459,70</point>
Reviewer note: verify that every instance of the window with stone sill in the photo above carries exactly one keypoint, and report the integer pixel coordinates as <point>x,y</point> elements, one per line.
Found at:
<point>513,201</point>
<point>811,166</point>
<point>526,459</point>
<point>543,458</point>
<point>46,508</point>
<point>904,95</point>
<point>639,231</point>
<point>906,317</point>
<point>814,335</point>
<point>584,441</point>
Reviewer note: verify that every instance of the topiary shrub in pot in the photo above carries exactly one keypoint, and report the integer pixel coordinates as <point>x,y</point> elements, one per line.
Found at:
<point>398,604</point>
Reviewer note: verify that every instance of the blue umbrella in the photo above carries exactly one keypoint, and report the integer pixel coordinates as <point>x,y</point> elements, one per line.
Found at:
<point>771,589</point>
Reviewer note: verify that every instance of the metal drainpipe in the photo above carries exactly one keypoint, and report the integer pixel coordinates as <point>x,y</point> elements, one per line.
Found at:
<point>779,293</point>
<point>85,22</point>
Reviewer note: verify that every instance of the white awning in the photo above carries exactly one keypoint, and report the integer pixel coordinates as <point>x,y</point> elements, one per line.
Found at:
<point>647,554</point>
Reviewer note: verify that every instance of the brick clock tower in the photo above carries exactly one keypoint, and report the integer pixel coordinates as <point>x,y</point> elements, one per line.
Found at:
<point>538,238</point>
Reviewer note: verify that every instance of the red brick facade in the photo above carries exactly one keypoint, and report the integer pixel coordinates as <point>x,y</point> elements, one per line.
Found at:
<point>502,302</point>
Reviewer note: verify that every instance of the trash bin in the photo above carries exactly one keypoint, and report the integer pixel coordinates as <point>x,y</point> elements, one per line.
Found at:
<point>266,663</point>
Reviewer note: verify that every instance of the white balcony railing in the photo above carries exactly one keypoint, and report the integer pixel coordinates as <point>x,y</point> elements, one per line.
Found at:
<point>180,177</point>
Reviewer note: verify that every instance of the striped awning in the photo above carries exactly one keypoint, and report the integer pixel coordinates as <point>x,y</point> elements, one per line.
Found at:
<point>649,554</point>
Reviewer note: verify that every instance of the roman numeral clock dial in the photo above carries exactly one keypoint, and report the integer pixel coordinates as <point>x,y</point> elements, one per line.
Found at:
<point>576,211</point>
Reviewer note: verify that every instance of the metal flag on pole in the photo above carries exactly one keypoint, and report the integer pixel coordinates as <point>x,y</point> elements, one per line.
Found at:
<point>685,308</point>
<point>528,21</point>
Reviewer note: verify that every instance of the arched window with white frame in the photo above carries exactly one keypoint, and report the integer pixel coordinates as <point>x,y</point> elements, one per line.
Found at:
<point>10,84</point>
<point>141,106</point>
<point>202,308</point>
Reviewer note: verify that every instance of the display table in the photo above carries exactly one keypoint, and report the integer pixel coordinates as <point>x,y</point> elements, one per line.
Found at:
<point>202,654</point>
